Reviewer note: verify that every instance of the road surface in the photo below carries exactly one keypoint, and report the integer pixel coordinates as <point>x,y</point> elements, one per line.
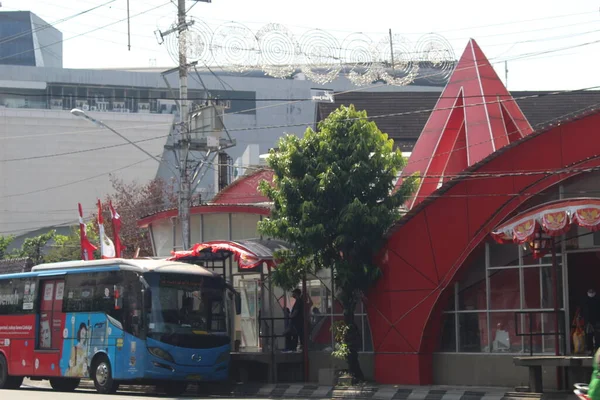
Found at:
<point>30,393</point>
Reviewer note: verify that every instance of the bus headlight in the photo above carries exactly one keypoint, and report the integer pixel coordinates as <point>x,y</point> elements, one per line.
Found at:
<point>223,357</point>
<point>160,353</point>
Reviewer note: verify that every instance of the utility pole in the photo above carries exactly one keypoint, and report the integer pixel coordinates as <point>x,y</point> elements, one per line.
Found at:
<point>198,131</point>
<point>185,196</point>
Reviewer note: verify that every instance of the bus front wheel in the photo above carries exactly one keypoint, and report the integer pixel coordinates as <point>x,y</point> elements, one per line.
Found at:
<point>102,376</point>
<point>7,381</point>
<point>64,384</point>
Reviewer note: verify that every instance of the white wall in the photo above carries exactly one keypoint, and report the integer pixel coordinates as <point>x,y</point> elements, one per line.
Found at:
<point>216,227</point>
<point>45,191</point>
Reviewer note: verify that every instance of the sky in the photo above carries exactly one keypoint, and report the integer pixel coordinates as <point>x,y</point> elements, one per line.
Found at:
<point>548,45</point>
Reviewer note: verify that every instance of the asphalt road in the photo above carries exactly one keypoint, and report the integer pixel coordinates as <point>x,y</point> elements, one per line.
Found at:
<point>29,393</point>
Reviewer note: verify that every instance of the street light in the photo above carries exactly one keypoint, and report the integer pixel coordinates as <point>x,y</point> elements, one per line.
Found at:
<point>80,113</point>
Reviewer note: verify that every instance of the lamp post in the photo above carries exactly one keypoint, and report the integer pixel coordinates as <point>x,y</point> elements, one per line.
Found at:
<point>80,113</point>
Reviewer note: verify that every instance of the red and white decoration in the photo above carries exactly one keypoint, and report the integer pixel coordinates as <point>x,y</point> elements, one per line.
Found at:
<point>116,225</point>
<point>553,219</point>
<point>107,247</point>
<point>87,248</point>
<point>245,257</point>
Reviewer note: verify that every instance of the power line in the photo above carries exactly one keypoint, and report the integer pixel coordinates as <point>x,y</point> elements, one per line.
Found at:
<point>75,182</point>
<point>68,153</point>
<point>50,25</point>
<point>413,95</point>
<point>383,84</point>
<point>498,101</point>
<point>84,131</point>
<point>84,33</point>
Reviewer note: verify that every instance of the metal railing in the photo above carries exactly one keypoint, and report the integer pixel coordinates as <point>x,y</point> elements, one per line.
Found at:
<point>558,315</point>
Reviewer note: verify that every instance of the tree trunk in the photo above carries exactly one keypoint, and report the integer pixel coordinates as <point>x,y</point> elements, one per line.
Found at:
<point>352,340</point>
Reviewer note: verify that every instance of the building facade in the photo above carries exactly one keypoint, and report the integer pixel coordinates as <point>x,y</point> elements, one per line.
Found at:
<point>36,95</point>
<point>454,307</point>
<point>28,40</point>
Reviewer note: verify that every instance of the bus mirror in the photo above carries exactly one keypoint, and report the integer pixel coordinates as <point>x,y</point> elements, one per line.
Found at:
<point>238,303</point>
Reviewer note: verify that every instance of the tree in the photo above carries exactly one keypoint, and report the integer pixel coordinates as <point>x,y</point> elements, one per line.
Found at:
<point>333,201</point>
<point>134,201</point>
<point>5,241</point>
<point>68,247</point>
<point>33,247</point>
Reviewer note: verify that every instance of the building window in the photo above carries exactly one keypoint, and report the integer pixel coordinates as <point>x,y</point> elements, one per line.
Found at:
<point>504,294</point>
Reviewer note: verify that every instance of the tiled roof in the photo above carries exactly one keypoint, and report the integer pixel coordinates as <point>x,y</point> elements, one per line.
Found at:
<point>414,108</point>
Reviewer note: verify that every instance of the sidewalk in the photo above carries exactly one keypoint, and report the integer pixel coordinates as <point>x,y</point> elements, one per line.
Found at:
<point>311,391</point>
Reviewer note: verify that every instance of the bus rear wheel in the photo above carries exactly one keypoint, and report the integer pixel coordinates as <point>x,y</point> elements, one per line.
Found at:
<point>102,376</point>
<point>64,384</point>
<point>7,381</point>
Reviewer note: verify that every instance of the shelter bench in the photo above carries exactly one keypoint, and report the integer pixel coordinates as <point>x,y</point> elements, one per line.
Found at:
<point>535,364</point>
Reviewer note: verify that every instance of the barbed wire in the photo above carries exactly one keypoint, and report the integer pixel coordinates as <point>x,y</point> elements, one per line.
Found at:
<point>318,54</point>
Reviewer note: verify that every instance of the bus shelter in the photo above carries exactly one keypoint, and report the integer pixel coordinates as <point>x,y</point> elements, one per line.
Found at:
<point>258,339</point>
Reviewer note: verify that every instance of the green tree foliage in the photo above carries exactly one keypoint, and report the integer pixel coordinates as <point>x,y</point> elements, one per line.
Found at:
<point>5,241</point>
<point>333,201</point>
<point>33,247</point>
<point>131,200</point>
<point>68,247</point>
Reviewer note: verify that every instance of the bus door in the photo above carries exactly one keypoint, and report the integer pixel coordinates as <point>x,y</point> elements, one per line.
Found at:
<point>50,328</point>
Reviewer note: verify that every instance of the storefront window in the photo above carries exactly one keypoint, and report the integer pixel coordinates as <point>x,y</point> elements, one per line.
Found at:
<point>471,290</point>
<point>497,303</point>
<point>532,296</point>
<point>503,333</point>
<point>448,342</point>
<point>504,289</point>
<point>472,328</point>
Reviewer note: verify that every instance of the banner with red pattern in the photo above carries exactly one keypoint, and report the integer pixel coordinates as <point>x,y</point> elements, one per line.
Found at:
<point>554,219</point>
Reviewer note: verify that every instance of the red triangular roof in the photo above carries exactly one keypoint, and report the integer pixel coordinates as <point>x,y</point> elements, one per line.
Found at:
<point>474,117</point>
<point>244,190</point>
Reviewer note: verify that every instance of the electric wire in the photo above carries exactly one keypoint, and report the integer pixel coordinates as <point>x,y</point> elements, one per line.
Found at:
<point>51,24</point>
<point>84,33</point>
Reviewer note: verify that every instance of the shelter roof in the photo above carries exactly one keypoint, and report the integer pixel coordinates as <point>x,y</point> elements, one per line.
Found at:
<point>244,190</point>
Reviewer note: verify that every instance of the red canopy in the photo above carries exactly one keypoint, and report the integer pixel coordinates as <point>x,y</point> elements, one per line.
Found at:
<point>247,253</point>
<point>553,218</point>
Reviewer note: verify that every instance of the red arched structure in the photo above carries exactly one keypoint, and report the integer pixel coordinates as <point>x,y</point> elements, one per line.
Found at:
<point>428,248</point>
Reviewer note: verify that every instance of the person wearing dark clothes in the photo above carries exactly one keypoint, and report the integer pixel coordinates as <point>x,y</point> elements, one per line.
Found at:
<point>591,316</point>
<point>296,328</point>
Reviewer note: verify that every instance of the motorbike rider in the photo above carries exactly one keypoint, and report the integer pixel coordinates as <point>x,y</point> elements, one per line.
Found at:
<point>594,388</point>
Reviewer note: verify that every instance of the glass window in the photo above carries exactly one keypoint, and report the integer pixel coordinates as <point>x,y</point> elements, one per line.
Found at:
<point>471,290</point>
<point>502,255</point>
<point>448,342</point>
<point>17,296</point>
<point>111,292</point>
<point>504,289</point>
<point>548,289</point>
<point>472,329</point>
<point>503,333</point>
<point>531,288</point>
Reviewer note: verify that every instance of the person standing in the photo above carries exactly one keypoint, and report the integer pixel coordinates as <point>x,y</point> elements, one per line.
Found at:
<point>297,319</point>
<point>591,316</point>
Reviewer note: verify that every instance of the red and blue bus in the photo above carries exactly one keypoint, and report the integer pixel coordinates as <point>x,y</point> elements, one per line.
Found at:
<point>115,322</point>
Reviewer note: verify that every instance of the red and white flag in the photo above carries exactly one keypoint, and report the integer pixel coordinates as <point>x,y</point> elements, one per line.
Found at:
<point>116,225</point>
<point>87,249</point>
<point>107,247</point>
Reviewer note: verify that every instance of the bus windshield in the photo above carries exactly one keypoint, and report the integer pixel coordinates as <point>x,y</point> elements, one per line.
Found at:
<point>185,306</point>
